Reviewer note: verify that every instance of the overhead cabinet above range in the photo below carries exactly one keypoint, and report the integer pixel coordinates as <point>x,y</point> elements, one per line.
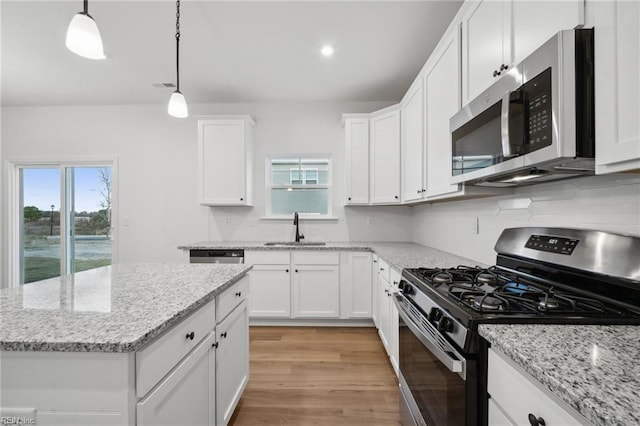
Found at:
<point>225,160</point>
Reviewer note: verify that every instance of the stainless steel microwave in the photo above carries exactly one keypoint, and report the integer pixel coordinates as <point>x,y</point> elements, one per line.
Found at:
<point>535,124</point>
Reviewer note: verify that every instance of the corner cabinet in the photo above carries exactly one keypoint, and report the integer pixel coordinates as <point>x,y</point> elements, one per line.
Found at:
<point>617,85</point>
<point>225,160</point>
<point>385,156</point>
<point>356,173</point>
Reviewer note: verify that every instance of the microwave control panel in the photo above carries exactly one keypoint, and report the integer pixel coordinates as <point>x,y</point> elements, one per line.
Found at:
<point>539,110</point>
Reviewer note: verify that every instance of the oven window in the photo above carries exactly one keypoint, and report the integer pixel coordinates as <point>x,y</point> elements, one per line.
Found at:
<point>438,393</point>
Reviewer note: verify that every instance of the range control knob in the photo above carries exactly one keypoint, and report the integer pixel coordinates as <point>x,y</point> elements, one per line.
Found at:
<point>406,288</point>
<point>445,325</point>
<point>435,314</point>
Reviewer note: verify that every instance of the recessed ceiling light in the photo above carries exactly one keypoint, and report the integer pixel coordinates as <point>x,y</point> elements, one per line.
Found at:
<point>326,50</point>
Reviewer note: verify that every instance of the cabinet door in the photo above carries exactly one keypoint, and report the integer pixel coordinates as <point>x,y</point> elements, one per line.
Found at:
<point>394,352</point>
<point>224,156</point>
<point>536,22</point>
<point>316,291</point>
<point>412,136</point>
<point>486,34</point>
<point>374,289</point>
<point>270,289</point>
<point>385,158</point>
<point>356,161</point>
<point>232,362</point>
<point>617,85</point>
<point>356,268</point>
<point>443,101</point>
<point>184,396</point>
<point>383,312</point>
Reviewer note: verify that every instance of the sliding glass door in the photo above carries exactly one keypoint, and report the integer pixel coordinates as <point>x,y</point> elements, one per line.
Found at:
<point>65,223</point>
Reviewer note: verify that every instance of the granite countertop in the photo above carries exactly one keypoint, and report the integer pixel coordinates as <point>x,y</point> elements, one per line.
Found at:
<point>116,308</point>
<point>398,254</point>
<point>594,369</point>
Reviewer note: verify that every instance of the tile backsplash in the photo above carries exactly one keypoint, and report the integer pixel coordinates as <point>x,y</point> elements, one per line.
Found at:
<point>470,228</point>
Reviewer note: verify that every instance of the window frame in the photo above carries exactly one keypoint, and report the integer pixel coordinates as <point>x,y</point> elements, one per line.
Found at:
<point>299,157</point>
<point>14,215</point>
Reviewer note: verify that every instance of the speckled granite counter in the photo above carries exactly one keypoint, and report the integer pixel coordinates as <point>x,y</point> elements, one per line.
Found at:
<point>398,254</point>
<point>117,308</point>
<point>594,369</point>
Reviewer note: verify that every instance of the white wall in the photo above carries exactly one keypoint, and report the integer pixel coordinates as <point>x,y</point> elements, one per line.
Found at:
<point>156,193</point>
<point>608,203</point>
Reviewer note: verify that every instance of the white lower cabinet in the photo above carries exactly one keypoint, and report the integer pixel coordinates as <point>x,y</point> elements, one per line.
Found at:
<point>309,284</point>
<point>184,396</point>
<point>515,397</point>
<point>232,362</point>
<point>387,313</point>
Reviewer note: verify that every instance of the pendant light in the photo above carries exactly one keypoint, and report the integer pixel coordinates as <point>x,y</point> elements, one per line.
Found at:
<point>83,37</point>
<point>177,103</point>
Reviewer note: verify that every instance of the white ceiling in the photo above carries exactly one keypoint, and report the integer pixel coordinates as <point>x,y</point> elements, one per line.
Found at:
<point>231,51</point>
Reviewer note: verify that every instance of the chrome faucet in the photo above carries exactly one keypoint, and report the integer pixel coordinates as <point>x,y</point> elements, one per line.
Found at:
<point>299,236</point>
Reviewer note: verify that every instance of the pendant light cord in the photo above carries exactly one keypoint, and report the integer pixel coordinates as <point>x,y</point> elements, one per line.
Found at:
<point>177,45</point>
<point>86,7</point>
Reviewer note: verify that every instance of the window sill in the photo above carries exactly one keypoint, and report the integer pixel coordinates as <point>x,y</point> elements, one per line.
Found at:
<point>302,218</point>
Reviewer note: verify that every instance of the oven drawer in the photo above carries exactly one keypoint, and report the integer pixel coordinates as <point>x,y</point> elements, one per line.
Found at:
<point>517,396</point>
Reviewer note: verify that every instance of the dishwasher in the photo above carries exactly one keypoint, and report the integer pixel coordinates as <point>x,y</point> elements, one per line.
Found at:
<point>216,256</point>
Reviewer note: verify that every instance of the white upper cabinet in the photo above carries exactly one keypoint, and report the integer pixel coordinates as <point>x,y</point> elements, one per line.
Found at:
<point>443,101</point>
<point>413,143</point>
<point>356,135</point>
<point>385,156</point>
<point>486,45</point>
<point>617,84</point>
<point>225,161</point>
<point>498,34</point>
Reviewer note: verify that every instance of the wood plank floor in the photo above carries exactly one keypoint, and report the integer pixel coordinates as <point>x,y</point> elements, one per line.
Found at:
<point>318,376</point>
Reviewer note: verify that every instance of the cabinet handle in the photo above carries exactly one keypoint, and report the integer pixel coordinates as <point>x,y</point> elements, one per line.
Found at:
<point>349,198</point>
<point>239,294</point>
<point>396,197</point>
<point>382,269</point>
<point>191,335</point>
<point>375,261</point>
<point>395,283</point>
<point>241,199</point>
<point>286,270</point>
<point>503,67</point>
<point>418,191</point>
<point>224,335</point>
<point>386,291</point>
<point>533,421</point>
<point>496,73</point>
<point>215,345</point>
<point>424,190</point>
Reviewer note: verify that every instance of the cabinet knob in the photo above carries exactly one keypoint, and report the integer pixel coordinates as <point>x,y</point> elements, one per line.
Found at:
<point>496,73</point>
<point>296,270</point>
<point>375,261</point>
<point>224,335</point>
<point>239,294</point>
<point>396,197</point>
<point>349,198</point>
<point>503,67</point>
<point>191,335</point>
<point>424,190</point>
<point>386,291</point>
<point>418,191</point>
<point>241,199</point>
<point>215,345</point>
<point>382,269</point>
<point>286,270</point>
<point>536,421</point>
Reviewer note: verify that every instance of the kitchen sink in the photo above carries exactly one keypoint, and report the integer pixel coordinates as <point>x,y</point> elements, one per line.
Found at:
<point>293,243</point>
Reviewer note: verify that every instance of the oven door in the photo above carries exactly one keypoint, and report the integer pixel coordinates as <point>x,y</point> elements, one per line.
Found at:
<point>434,383</point>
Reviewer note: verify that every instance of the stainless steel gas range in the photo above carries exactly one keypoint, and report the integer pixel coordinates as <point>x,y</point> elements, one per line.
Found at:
<point>542,275</point>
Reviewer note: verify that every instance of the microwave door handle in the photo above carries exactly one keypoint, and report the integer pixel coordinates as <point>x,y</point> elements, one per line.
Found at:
<point>504,122</point>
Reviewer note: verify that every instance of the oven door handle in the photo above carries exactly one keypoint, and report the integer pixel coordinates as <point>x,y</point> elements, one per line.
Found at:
<point>453,364</point>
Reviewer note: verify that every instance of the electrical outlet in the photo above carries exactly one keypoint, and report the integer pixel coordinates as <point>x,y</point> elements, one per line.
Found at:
<point>369,220</point>
<point>475,225</point>
<point>251,221</point>
<point>227,220</point>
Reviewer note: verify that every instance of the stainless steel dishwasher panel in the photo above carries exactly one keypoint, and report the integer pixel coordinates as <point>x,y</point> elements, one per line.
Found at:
<point>216,256</point>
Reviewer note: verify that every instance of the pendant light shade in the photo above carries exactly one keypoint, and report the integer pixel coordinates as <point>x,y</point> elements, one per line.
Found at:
<point>83,37</point>
<point>178,104</point>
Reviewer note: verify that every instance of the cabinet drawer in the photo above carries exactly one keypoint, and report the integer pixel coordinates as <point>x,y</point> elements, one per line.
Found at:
<point>267,257</point>
<point>231,297</point>
<point>518,396</point>
<point>156,360</point>
<point>315,258</point>
<point>383,269</point>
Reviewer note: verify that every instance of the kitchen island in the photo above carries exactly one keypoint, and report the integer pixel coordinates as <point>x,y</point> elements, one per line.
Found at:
<point>594,370</point>
<point>123,343</point>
